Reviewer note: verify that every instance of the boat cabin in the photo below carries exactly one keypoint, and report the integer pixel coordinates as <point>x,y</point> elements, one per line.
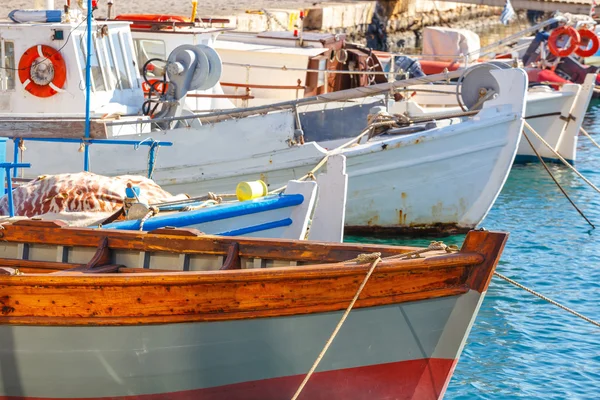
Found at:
<point>42,70</point>
<point>260,68</point>
<point>156,36</point>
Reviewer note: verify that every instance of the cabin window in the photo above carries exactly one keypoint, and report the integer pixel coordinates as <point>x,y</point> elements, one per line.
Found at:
<point>147,49</point>
<point>7,62</point>
<point>97,77</point>
<point>322,69</point>
<point>110,71</point>
<point>119,61</point>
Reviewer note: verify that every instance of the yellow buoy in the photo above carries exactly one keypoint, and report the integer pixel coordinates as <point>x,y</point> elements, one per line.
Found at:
<point>251,190</point>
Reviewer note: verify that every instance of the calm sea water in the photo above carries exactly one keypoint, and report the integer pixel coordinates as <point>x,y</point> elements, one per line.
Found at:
<point>520,346</point>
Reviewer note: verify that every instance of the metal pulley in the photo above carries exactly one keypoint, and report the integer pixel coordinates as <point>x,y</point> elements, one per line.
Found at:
<point>477,85</point>
<point>193,67</point>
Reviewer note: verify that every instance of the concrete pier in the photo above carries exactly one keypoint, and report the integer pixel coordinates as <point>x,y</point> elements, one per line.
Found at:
<point>400,20</point>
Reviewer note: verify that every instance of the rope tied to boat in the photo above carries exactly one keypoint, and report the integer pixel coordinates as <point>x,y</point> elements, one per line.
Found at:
<point>585,133</point>
<point>151,212</point>
<point>374,259</point>
<point>561,158</point>
<point>549,300</point>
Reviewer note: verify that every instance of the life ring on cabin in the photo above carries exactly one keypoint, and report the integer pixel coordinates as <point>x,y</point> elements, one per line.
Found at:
<point>556,34</point>
<point>591,37</point>
<point>341,56</point>
<point>42,71</point>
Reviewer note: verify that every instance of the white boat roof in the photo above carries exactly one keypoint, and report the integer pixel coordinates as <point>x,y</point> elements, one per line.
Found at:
<point>64,25</point>
<point>265,48</point>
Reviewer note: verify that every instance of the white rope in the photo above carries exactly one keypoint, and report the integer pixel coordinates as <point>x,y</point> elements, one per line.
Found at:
<point>375,259</point>
<point>561,158</point>
<point>549,300</point>
<point>589,137</point>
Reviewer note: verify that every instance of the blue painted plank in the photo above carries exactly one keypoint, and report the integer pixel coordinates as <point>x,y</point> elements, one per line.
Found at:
<point>223,211</point>
<point>258,228</point>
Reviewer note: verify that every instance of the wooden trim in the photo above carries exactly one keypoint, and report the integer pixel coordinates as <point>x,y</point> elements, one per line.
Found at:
<point>281,249</point>
<point>490,245</point>
<point>221,96</point>
<point>134,297</point>
<point>253,86</point>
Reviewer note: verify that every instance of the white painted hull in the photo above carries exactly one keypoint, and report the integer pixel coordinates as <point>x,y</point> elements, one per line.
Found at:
<point>555,115</point>
<point>447,177</point>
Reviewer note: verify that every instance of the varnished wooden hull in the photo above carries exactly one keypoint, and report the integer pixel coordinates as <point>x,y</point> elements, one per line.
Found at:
<point>230,334</point>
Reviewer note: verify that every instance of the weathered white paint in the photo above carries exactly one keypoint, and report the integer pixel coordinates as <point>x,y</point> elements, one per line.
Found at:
<point>547,111</point>
<point>330,211</point>
<point>450,174</point>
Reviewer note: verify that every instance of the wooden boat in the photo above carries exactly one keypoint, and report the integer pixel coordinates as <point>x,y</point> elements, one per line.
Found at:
<point>101,314</point>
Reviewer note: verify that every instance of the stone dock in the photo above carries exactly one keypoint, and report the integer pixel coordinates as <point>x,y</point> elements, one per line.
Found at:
<point>389,24</point>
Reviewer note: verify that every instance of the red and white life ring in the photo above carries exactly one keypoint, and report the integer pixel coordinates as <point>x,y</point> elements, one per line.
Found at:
<point>156,85</point>
<point>588,36</point>
<point>573,44</point>
<point>42,71</point>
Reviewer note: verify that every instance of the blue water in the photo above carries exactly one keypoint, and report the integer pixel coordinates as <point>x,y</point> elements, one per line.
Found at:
<point>520,346</point>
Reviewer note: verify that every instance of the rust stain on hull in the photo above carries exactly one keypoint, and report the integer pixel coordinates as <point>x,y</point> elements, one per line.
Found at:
<point>401,218</point>
<point>373,221</point>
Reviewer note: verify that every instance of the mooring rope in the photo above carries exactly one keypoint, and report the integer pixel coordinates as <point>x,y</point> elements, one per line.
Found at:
<point>377,121</point>
<point>561,158</point>
<point>549,300</point>
<point>556,181</point>
<point>589,136</point>
<point>374,259</point>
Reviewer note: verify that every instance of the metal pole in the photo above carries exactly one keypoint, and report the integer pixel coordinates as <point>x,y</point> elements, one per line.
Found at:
<point>88,79</point>
<point>11,207</point>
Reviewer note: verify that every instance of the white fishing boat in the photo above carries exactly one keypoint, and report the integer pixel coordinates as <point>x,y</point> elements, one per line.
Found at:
<point>434,175</point>
<point>263,68</point>
<point>555,114</point>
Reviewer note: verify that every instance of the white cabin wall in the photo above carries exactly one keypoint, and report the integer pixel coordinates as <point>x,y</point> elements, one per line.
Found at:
<point>261,76</point>
<point>20,101</point>
<point>71,102</point>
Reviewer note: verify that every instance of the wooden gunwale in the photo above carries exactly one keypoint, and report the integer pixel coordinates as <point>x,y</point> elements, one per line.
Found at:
<point>300,273</point>
<point>281,249</point>
<point>115,299</point>
<point>94,303</point>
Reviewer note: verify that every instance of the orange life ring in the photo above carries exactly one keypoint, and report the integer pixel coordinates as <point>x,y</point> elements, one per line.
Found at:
<point>556,34</point>
<point>591,37</point>
<point>150,18</point>
<point>42,71</point>
<point>154,84</point>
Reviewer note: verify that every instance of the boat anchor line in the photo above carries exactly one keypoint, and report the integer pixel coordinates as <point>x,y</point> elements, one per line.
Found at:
<point>555,180</point>
<point>561,158</point>
<point>374,259</point>
<point>585,133</point>
<point>379,120</point>
<point>549,300</point>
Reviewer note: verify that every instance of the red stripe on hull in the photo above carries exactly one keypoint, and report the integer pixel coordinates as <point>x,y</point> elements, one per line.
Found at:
<point>416,380</point>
